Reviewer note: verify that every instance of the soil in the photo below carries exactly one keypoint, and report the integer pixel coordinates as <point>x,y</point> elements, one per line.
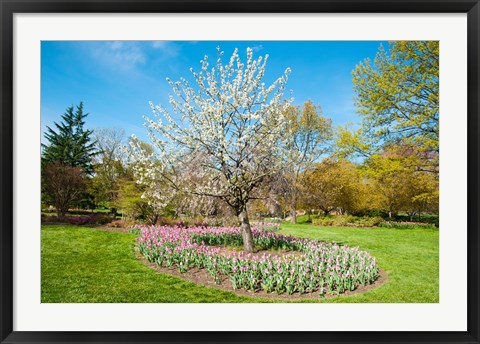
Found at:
<point>201,276</point>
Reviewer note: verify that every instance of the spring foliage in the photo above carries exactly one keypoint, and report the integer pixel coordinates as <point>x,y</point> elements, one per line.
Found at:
<point>398,94</point>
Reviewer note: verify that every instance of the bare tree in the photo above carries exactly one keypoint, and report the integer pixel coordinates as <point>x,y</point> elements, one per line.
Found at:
<point>64,184</point>
<point>109,165</point>
<point>309,137</point>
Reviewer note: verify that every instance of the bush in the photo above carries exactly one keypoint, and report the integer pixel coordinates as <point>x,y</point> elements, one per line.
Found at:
<point>366,221</point>
<point>267,226</point>
<point>369,221</point>
<point>92,219</point>
<point>348,221</point>
<point>199,221</point>
<point>323,221</point>
<point>52,219</point>
<point>406,225</point>
<point>120,224</point>
<point>374,213</point>
<point>430,219</point>
<point>271,220</point>
<point>167,221</point>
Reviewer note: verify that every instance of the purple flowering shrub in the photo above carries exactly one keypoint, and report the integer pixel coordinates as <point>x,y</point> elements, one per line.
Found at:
<point>320,267</point>
<point>92,219</point>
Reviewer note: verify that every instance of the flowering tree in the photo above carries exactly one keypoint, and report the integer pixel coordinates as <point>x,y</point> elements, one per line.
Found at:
<point>157,191</point>
<point>227,129</point>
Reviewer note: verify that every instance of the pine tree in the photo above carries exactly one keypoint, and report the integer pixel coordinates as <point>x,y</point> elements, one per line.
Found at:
<point>71,144</point>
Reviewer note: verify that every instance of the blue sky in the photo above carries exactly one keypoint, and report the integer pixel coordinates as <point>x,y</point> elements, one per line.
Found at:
<point>117,79</point>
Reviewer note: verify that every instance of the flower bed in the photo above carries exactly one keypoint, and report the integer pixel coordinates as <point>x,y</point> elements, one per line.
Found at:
<point>321,267</point>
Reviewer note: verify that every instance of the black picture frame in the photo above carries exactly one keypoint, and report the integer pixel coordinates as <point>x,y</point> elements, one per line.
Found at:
<point>10,7</point>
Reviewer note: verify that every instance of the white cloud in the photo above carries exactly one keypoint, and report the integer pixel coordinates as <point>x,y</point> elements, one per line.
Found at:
<point>116,45</point>
<point>159,44</point>
<point>119,54</point>
<point>130,56</point>
<point>168,49</point>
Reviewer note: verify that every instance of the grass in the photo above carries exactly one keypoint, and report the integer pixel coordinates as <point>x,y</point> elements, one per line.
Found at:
<point>88,265</point>
<point>409,256</point>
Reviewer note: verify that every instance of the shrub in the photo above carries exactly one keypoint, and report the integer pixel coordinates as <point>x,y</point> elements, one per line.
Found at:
<point>406,225</point>
<point>199,221</point>
<point>120,224</point>
<point>324,267</point>
<point>52,219</point>
<point>369,221</point>
<point>323,221</point>
<point>272,220</point>
<point>166,221</point>
<point>430,219</point>
<point>220,221</point>
<point>348,221</point>
<point>92,219</point>
<point>344,220</point>
<point>267,226</point>
<point>230,221</point>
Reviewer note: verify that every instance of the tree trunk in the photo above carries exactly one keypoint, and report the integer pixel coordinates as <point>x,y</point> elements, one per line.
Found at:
<point>153,219</point>
<point>411,215</point>
<point>248,245</point>
<point>293,210</point>
<point>61,209</point>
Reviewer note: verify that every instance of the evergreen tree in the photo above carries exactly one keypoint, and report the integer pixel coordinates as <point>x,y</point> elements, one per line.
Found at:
<point>71,144</point>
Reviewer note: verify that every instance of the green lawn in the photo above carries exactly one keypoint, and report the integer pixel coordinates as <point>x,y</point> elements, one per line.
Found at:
<point>87,265</point>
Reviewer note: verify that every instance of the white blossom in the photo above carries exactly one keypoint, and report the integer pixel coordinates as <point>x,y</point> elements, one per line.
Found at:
<point>220,136</point>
